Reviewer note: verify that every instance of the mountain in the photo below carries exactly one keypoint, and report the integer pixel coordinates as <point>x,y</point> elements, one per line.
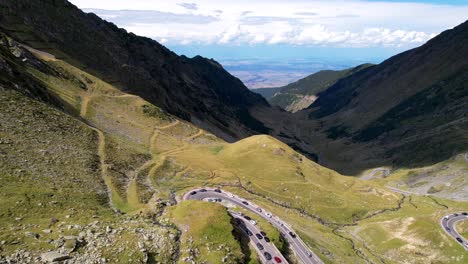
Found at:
<point>302,93</point>
<point>267,93</point>
<point>197,89</point>
<point>94,174</point>
<point>341,130</point>
<point>112,169</point>
<point>408,111</point>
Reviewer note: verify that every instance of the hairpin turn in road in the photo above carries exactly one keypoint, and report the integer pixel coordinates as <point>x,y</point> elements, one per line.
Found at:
<point>448,223</point>
<point>301,251</point>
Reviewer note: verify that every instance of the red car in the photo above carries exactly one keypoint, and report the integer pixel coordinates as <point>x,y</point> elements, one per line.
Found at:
<point>278,260</point>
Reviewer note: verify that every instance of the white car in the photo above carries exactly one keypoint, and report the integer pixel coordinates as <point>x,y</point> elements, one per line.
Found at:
<point>268,215</point>
<point>253,222</point>
<point>231,195</point>
<point>446,217</point>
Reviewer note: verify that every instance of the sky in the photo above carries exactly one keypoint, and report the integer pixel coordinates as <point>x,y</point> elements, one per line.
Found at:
<point>351,29</point>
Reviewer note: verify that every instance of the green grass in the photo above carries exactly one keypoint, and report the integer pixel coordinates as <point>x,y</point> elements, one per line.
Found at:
<point>462,228</point>
<point>50,169</point>
<point>413,234</point>
<point>313,199</point>
<point>207,230</point>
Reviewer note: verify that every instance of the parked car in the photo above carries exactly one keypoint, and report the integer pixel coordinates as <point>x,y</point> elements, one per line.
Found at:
<point>268,215</point>
<point>247,217</point>
<point>253,222</point>
<point>277,260</point>
<point>292,234</point>
<point>459,240</point>
<point>192,193</point>
<point>244,202</point>
<point>217,190</point>
<point>263,233</point>
<point>259,209</point>
<point>267,255</point>
<point>202,190</point>
<point>249,233</point>
<point>267,239</point>
<point>259,236</point>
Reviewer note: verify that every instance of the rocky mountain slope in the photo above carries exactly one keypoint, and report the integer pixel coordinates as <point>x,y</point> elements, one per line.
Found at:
<point>409,111</point>
<point>302,93</point>
<point>198,90</point>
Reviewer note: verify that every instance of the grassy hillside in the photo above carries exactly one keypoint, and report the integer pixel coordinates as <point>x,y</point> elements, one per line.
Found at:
<point>132,161</point>
<point>194,89</point>
<point>302,93</point>
<point>51,188</point>
<point>208,234</point>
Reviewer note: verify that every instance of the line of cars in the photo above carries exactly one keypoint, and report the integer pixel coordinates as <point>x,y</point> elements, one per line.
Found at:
<point>285,230</point>
<point>446,218</point>
<point>261,235</point>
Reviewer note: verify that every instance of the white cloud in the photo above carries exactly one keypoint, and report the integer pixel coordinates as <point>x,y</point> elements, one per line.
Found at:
<point>352,23</point>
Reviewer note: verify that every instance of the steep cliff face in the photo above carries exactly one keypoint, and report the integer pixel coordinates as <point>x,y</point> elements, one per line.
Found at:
<point>198,89</point>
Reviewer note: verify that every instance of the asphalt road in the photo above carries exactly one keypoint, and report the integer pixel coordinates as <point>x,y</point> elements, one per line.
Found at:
<point>448,224</point>
<point>302,252</point>
<point>267,246</point>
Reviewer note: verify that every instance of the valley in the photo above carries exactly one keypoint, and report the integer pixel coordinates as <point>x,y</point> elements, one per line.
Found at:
<point>105,151</point>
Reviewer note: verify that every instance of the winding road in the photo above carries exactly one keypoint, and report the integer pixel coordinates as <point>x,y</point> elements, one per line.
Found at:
<point>448,223</point>
<point>269,247</point>
<point>301,251</point>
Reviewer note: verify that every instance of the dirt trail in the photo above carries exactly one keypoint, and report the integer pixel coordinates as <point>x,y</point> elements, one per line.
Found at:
<point>102,158</point>
<point>199,133</point>
<point>153,139</point>
<point>125,96</point>
<point>168,126</point>
<point>84,105</point>
<point>101,148</point>
<point>156,166</point>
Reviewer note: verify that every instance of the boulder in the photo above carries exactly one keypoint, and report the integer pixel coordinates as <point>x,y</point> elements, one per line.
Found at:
<point>53,256</point>
<point>31,235</point>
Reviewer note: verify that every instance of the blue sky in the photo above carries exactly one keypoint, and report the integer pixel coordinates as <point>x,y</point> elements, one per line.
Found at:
<point>352,29</point>
<point>442,2</point>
